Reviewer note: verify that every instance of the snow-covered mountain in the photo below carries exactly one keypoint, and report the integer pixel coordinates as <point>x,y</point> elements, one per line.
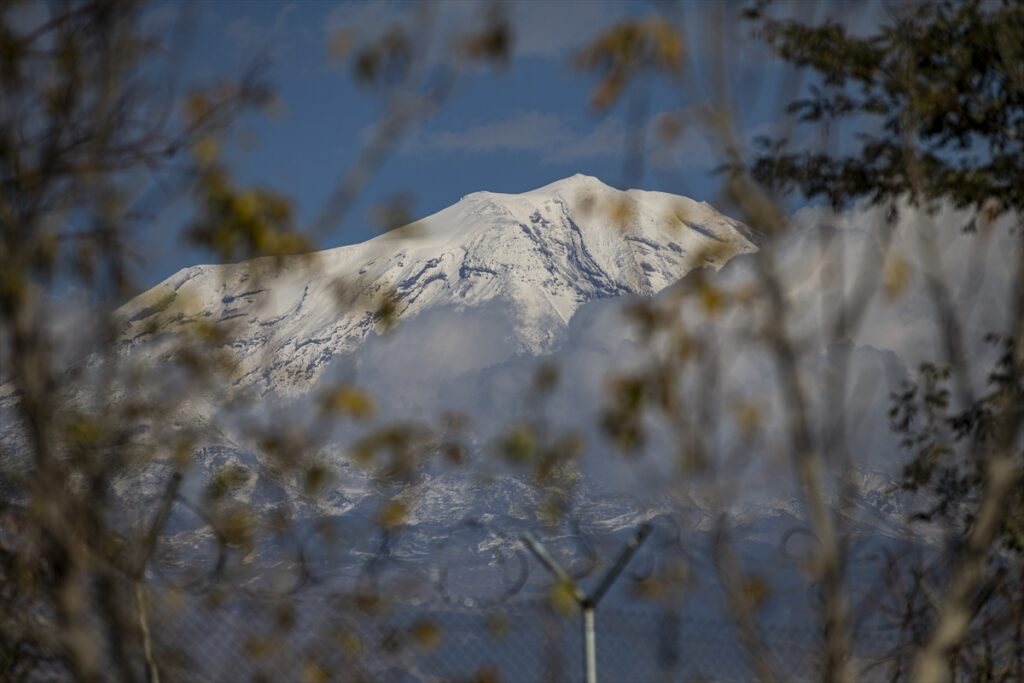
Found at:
<point>541,253</point>
<point>539,257</point>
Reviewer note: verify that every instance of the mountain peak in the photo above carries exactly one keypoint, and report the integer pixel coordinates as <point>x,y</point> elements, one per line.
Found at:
<point>576,181</point>
<point>542,254</point>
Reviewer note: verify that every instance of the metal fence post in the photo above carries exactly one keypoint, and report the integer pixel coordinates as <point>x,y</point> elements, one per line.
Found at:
<point>588,603</point>
<point>589,643</point>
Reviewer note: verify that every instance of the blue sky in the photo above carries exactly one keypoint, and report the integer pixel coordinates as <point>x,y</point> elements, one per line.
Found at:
<point>505,130</point>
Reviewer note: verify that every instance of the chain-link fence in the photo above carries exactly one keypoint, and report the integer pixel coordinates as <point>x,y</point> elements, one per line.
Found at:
<point>391,624</point>
<point>320,638</point>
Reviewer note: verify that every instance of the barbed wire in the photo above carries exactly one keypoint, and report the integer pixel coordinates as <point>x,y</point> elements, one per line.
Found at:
<point>464,604</point>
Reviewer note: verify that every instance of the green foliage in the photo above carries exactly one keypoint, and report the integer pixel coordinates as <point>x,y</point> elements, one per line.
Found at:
<point>936,93</point>
<point>949,442</point>
<point>236,223</point>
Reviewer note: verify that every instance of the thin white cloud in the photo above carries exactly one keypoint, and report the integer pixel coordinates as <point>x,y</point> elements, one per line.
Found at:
<point>527,131</point>
<point>606,139</point>
<point>548,136</point>
<point>553,139</point>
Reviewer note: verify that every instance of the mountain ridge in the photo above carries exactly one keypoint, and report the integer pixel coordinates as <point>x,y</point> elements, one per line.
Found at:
<point>543,253</point>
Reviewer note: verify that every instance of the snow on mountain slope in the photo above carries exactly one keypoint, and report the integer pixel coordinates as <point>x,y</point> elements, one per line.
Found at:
<point>542,253</point>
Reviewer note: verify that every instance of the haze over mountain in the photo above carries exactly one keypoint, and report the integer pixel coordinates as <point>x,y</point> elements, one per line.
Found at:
<point>481,291</point>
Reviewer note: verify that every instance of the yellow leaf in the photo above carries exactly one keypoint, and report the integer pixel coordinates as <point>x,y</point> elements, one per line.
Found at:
<point>387,313</point>
<point>486,675</point>
<point>237,528</point>
<point>314,673</point>
<point>748,416</point>
<point>498,626</point>
<point>196,106</point>
<point>518,443</point>
<point>316,477</point>
<point>257,647</point>
<point>426,634</point>
<point>247,203</point>
<point>182,454</point>
<point>668,45</point>
<point>206,150</point>
<point>393,514</point>
<point>348,400</point>
<point>755,590</point>
<point>349,641</point>
<point>897,276</point>
<point>712,301</point>
<point>85,432</point>
<point>562,597</point>
<point>621,211</point>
